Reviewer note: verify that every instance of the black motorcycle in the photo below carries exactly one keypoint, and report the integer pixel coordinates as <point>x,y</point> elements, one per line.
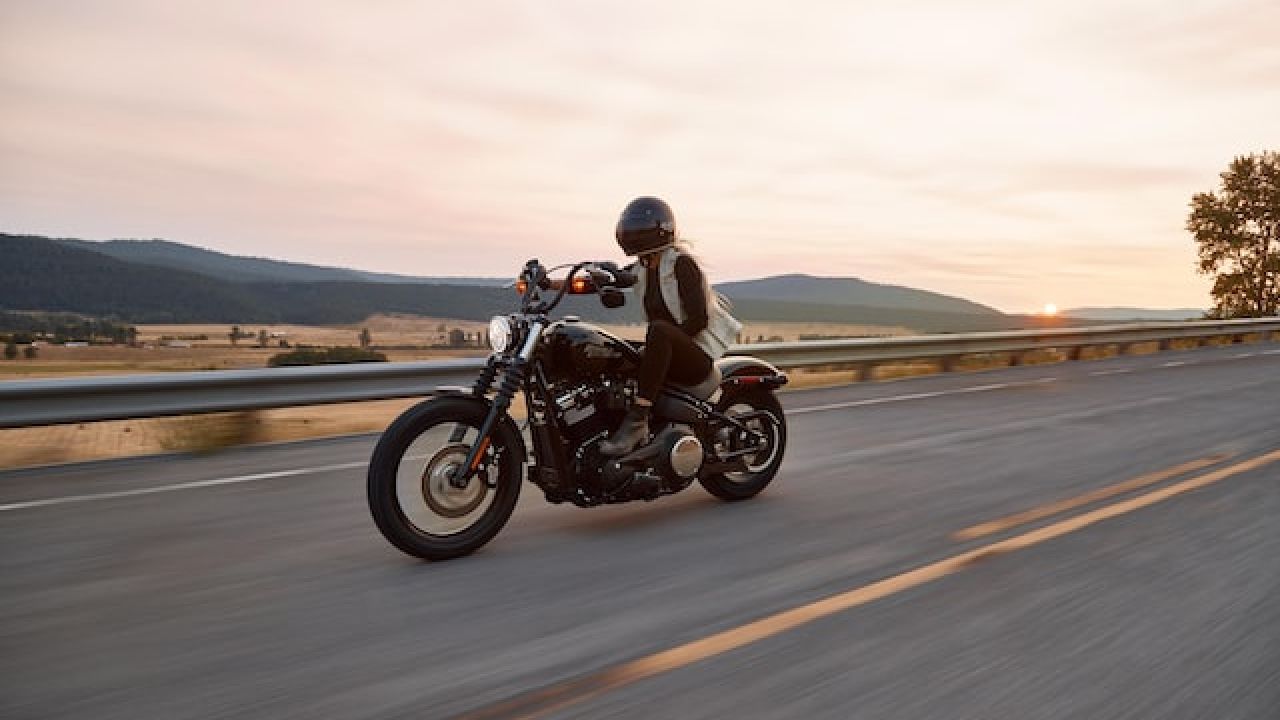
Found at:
<point>445,476</point>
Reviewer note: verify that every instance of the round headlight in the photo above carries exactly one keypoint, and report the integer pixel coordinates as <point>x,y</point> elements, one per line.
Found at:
<point>499,333</point>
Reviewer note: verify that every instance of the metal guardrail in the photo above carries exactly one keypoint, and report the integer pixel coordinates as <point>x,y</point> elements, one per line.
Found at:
<point>28,403</point>
<point>69,400</point>
<point>917,347</point>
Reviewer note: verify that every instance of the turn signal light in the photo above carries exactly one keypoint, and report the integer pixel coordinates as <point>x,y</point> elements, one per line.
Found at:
<point>522,286</point>
<point>580,286</point>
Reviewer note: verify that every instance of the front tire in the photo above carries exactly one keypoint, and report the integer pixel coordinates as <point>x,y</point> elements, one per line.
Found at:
<point>761,466</point>
<point>413,504</point>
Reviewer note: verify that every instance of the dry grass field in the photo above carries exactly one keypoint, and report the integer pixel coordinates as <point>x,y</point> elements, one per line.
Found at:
<point>37,446</point>
<point>400,337</point>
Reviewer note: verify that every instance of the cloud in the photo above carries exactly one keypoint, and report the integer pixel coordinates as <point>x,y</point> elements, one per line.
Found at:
<point>967,146</point>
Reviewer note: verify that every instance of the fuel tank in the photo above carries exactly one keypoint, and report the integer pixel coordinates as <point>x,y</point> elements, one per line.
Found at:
<point>573,350</point>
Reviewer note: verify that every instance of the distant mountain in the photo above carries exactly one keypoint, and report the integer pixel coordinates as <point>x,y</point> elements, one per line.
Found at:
<point>69,276</point>
<point>851,291</point>
<point>1119,314</point>
<point>924,321</point>
<point>242,269</point>
<point>42,274</point>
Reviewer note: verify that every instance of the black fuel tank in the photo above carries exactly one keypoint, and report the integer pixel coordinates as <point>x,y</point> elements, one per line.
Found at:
<point>573,350</point>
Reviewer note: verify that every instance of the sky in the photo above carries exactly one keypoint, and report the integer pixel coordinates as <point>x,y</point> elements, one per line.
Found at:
<point>1013,153</point>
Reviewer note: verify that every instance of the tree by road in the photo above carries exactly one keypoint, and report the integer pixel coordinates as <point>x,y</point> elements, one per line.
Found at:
<point>366,339</point>
<point>1238,230</point>
<point>10,349</point>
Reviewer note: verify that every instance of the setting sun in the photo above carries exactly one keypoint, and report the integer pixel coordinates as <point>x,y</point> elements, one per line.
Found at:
<point>1050,309</point>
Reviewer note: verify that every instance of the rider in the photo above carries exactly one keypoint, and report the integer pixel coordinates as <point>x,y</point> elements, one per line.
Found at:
<point>689,324</point>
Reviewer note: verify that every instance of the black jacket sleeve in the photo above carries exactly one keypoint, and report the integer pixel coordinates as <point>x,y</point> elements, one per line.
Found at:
<point>692,295</point>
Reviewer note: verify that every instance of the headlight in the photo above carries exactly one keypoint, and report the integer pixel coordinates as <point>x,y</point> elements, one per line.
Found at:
<point>500,333</point>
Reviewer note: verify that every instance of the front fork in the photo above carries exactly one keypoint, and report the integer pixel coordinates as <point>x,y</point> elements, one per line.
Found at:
<point>512,380</point>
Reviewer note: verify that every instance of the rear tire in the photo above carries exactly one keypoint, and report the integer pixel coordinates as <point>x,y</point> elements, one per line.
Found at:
<point>409,498</point>
<point>764,465</point>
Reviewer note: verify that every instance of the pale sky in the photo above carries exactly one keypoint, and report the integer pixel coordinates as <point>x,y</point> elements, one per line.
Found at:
<point>1014,153</point>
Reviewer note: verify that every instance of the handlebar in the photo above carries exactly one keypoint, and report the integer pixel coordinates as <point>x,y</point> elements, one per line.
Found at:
<point>604,277</point>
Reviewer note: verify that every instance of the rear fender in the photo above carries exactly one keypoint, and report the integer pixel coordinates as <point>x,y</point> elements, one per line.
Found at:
<point>744,371</point>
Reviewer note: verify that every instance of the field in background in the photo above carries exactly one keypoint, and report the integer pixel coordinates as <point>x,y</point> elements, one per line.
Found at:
<point>91,441</point>
<point>393,335</point>
<point>401,338</point>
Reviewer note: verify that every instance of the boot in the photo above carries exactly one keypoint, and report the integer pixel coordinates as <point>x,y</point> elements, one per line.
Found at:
<point>631,434</point>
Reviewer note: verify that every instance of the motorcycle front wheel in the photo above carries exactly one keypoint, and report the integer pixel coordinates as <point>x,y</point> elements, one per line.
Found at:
<point>411,498</point>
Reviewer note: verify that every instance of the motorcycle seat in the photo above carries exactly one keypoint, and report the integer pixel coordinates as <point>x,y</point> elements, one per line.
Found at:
<point>704,389</point>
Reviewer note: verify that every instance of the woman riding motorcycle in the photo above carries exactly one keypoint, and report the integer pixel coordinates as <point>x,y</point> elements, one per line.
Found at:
<point>689,324</point>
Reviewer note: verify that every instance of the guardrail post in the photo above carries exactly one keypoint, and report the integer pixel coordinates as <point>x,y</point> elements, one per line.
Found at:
<point>1074,352</point>
<point>1017,358</point>
<point>949,363</point>
<point>1166,345</point>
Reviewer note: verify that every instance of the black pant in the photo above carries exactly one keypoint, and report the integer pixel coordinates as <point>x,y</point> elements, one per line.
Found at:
<point>670,356</point>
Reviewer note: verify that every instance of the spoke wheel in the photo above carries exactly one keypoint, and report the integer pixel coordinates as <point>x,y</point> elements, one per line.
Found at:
<point>413,497</point>
<point>762,414</point>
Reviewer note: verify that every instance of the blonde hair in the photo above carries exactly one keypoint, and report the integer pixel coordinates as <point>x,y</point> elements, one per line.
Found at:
<point>684,246</point>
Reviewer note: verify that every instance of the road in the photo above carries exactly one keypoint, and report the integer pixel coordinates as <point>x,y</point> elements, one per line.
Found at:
<point>892,571</point>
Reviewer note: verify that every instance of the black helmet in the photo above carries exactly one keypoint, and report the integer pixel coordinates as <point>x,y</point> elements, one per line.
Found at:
<point>646,224</point>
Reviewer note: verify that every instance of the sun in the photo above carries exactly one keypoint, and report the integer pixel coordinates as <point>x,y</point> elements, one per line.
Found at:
<point>1050,309</point>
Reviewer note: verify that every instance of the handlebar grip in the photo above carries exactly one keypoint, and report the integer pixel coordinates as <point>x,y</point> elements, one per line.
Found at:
<point>622,277</point>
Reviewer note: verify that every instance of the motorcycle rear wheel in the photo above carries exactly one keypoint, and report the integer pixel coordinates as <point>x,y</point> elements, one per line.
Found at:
<point>762,466</point>
<point>412,502</point>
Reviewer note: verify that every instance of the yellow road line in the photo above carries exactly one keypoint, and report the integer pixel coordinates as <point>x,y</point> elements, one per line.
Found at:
<point>1044,511</point>
<point>539,703</point>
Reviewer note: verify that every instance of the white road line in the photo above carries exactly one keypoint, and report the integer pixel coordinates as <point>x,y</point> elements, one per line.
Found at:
<point>180,486</point>
<point>1099,373</point>
<point>1243,355</point>
<point>1271,352</point>
<point>965,438</point>
<point>917,396</point>
<point>1175,363</point>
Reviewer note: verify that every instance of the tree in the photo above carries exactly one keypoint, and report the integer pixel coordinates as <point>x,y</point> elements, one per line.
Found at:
<point>366,339</point>
<point>10,350</point>
<point>234,334</point>
<point>262,338</point>
<point>1238,231</point>
<point>29,352</point>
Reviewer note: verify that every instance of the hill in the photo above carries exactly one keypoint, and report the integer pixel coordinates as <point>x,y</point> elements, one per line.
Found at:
<point>924,321</point>
<point>242,269</point>
<point>73,276</point>
<point>1120,314</point>
<point>41,274</point>
<point>852,291</point>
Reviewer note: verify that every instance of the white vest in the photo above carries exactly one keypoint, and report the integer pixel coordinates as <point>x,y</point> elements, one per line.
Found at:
<point>722,329</point>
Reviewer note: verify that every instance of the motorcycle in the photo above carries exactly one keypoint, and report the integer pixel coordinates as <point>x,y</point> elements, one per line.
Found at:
<point>445,475</point>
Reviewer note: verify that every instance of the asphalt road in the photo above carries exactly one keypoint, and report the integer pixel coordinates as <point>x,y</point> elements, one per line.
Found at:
<point>252,583</point>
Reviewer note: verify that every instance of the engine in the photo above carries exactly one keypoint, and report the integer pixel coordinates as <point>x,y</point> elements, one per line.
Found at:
<point>589,413</point>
